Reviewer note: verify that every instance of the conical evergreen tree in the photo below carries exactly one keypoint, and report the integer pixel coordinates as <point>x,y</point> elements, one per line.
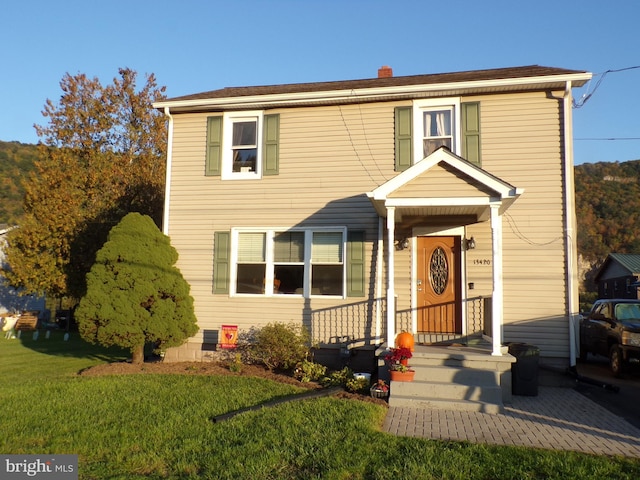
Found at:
<point>135,294</point>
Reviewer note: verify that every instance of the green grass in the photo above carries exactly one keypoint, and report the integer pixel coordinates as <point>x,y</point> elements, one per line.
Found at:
<point>159,426</point>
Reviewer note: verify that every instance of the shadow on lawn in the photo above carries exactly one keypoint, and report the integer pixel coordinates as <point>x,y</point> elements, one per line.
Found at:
<point>55,344</point>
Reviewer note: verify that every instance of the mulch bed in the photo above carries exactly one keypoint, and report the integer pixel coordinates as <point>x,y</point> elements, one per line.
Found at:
<point>212,368</point>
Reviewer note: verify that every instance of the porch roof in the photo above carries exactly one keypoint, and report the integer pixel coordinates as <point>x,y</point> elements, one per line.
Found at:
<point>444,184</point>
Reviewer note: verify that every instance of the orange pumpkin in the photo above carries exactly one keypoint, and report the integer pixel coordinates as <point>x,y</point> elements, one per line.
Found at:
<point>405,340</point>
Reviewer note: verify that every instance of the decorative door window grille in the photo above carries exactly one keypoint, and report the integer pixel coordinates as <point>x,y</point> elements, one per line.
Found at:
<point>438,271</point>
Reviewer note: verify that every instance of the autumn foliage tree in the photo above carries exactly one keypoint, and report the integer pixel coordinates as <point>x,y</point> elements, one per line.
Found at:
<point>102,155</point>
<point>135,294</point>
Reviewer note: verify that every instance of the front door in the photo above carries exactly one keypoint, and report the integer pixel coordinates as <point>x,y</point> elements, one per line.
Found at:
<point>438,285</point>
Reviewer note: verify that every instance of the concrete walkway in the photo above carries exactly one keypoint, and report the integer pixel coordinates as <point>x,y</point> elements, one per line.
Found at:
<point>559,418</point>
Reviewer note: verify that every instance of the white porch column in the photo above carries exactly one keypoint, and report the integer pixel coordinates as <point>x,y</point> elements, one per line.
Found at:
<point>498,286</point>
<point>391,288</point>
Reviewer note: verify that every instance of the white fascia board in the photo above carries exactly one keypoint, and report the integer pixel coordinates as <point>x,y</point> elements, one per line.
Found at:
<point>377,93</point>
<point>442,202</point>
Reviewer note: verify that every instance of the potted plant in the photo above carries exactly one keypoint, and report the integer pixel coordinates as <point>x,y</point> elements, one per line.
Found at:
<point>398,360</point>
<point>380,389</point>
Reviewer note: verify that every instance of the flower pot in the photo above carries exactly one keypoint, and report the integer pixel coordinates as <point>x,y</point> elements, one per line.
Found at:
<point>397,376</point>
<point>376,393</point>
<point>405,362</point>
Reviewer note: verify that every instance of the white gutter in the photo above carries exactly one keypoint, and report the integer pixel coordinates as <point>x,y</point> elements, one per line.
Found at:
<point>376,93</point>
<point>571,242</point>
<point>167,184</point>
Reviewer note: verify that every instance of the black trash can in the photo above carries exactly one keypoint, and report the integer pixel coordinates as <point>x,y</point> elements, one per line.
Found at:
<point>524,372</point>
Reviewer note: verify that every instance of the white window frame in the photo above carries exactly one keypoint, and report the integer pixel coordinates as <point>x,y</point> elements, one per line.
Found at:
<point>421,106</point>
<point>229,118</point>
<point>270,263</point>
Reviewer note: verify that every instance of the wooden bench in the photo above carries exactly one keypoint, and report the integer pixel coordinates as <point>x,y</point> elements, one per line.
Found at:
<point>27,321</point>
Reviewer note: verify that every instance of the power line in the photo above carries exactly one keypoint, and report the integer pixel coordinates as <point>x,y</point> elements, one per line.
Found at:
<point>587,96</point>
<point>609,138</point>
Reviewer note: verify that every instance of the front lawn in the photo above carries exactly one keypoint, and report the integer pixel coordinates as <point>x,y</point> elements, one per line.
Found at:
<point>159,426</point>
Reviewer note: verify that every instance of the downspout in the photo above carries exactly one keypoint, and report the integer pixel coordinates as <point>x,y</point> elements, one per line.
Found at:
<point>167,182</point>
<point>570,227</point>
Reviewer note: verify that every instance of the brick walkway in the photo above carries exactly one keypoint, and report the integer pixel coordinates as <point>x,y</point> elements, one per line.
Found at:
<point>558,419</point>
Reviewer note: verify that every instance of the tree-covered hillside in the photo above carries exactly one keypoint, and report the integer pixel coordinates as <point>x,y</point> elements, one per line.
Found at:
<point>608,208</point>
<point>16,161</point>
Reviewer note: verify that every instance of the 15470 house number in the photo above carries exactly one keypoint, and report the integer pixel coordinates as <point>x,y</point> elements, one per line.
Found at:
<point>481,261</point>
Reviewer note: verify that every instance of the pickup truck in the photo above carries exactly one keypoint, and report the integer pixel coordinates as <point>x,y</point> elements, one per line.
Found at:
<point>612,329</point>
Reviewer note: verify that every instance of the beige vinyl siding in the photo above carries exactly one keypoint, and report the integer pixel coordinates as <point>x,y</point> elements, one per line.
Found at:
<point>329,158</point>
<point>521,144</point>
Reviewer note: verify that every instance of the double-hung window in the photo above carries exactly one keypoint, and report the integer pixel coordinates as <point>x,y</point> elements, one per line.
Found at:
<point>436,124</point>
<point>242,156</point>
<point>303,262</point>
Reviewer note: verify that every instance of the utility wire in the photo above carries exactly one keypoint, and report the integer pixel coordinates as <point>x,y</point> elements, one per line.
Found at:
<point>609,138</point>
<point>587,96</point>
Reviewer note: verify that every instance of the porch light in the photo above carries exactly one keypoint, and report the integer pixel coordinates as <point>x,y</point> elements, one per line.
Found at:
<point>402,244</point>
<point>469,243</point>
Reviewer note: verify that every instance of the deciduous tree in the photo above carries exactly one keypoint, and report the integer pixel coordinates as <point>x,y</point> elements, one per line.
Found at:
<point>135,294</point>
<point>102,155</point>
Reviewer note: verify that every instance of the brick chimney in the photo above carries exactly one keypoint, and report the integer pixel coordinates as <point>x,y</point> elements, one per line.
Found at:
<point>385,72</point>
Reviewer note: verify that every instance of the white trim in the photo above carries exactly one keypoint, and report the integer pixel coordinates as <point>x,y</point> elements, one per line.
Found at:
<point>497,320</point>
<point>441,202</point>
<point>376,93</point>
<point>571,242</point>
<point>391,275</point>
<point>168,166</point>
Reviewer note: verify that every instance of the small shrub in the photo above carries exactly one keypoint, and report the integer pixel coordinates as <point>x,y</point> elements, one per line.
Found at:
<point>338,378</point>
<point>281,346</point>
<point>236,364</point>
<point>357,385</point>
<point>308,371</point>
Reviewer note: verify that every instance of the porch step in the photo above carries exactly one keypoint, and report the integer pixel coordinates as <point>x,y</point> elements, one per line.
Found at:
<point>446,404</point>
<point>455,378</point>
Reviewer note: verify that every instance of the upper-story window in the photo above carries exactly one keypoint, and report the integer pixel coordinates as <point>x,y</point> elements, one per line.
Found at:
<point>242,145</point>
<point>436,124</point>
<point>241,155</point>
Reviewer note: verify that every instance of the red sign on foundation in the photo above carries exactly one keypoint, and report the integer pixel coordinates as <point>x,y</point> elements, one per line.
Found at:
<point>228,336</point>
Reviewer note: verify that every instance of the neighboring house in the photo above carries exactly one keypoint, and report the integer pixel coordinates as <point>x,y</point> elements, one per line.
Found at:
<point>10,300</point>
<point>438,204</point>
<point>618,276</point>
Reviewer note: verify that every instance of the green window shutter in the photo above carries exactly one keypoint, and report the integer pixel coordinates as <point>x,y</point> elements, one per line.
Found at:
<point>270,152</point>
<point>355,264</point>
<point>403,131</point>
<point>471,132</point>
<point>221,261</point>
<point>214,146</point>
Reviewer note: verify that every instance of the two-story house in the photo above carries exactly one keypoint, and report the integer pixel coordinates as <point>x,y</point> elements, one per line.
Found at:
<point>439,204</point>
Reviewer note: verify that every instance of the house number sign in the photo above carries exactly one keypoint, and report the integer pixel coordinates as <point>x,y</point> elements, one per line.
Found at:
<point>482,261</point>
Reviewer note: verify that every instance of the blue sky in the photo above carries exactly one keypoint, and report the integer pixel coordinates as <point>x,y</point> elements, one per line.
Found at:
<point>198,45</point>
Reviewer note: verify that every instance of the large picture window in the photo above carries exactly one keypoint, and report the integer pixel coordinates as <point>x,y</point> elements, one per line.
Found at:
<point>294,262</point>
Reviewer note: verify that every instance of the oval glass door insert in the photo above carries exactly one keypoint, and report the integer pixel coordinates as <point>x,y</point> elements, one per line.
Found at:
<point>438,270</point>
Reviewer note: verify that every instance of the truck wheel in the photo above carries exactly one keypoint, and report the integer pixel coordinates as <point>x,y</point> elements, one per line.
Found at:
<point>615,360</point>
